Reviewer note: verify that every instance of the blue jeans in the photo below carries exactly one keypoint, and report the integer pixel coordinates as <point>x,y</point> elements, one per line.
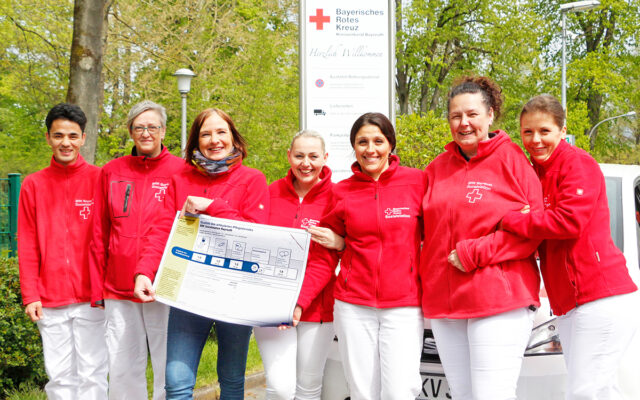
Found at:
<point>186,336</point>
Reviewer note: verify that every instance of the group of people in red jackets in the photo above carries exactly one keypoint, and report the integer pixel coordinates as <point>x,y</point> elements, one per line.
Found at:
<point>455,243</point>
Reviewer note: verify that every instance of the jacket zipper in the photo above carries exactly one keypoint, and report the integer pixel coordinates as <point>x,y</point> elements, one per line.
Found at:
<point>296,223</point>
<point>379,263</point>
<point>70,201</point>
<point>144,194</point>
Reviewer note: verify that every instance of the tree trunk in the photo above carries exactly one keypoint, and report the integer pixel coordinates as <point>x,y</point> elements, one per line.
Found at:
<point>85,66</point>
<point>594,101</point>
<point>402,79</point>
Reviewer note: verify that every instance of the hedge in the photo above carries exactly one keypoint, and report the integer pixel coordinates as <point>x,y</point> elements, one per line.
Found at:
<point>21,361</point>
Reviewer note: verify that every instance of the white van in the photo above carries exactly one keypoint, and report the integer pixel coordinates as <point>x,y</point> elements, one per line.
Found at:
<point>543,373</point>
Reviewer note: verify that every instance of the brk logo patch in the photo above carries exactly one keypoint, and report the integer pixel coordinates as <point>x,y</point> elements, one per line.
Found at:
<point>308,222</point>
<point>161,190</point>
<point>477,190</point>
<point>85,207</point>
<point>397,212</point>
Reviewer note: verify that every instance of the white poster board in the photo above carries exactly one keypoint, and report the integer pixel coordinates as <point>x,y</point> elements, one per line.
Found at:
<point>346,69</point>
<point>233,271</point>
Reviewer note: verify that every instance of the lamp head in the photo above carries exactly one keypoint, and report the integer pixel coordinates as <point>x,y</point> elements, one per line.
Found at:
<point>578,6</point>
<point>184,76</point>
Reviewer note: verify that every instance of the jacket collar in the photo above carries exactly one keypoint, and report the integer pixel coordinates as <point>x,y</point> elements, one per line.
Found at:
<point>486,148</point>
<point>164,153</point>
<point>323,184</point>
<point>76,166</point>
<point>394,162</point>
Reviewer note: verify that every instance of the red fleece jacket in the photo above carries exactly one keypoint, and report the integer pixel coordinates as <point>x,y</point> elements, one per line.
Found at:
<point>381,223</point>
<point>579,261</point>
<point>130,195</point>
<point>55,214</point>
<point>240,193</point>
<point>287,210</point>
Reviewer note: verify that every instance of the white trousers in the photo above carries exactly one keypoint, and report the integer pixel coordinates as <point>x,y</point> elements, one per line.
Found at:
<point>278,352</point>
<point>314,341</point>
<point>294,359</point>
<point>482,357</point>
<point>380,350</point>
<point>75,352</point>
<point>594,337</point>
<point>130,328</point>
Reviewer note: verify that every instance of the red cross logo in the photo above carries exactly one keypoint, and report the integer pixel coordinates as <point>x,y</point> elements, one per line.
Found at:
<point>319,19</point>
<point>85,212</point>
<point>474,195</point>
<point>160,194</point>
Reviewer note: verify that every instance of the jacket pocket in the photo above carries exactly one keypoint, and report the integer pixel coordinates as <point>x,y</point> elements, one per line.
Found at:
<point>345,265</point>
<point>505,279</point>
<point>120,198</point>
<point>122,262</point>
<point>586,262</point>
<point>412,274</point>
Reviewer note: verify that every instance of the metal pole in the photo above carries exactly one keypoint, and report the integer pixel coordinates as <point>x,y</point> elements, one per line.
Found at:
<point>392,61</point>
<point>302,45</point>
<point>564,64</point>
<point>14,194</point>
<point>183,136</point>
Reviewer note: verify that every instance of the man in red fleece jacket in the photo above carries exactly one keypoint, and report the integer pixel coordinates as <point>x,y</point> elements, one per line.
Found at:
<point>55,215</point>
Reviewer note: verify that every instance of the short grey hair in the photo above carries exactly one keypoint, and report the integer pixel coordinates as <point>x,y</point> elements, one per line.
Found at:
<point>143,106</point>
<point>311,134</point>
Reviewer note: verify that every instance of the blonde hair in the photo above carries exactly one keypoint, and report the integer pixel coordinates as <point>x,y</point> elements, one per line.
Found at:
<point>310,134</point>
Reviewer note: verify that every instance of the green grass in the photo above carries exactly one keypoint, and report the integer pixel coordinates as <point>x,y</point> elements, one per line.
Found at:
<point>207,374</point>
<point>28,393</point>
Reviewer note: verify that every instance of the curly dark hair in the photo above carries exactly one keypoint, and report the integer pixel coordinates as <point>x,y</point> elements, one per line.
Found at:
<point>491,92</point>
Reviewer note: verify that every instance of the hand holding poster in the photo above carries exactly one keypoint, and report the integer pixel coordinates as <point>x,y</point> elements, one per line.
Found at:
<point>233,271</point>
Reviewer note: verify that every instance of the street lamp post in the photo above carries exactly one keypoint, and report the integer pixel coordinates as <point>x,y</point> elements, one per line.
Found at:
<point>593,129</point>
<point>184,76</point>
<point>576,6</point>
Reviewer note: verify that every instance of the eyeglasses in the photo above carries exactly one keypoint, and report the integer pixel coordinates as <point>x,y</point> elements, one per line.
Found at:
<point>139,130</point>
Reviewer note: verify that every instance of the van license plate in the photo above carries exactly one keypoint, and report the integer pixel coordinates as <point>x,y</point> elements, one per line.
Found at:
<point>434,386</point>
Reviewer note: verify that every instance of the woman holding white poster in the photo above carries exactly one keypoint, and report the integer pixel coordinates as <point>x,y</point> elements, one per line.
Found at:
<point>216,184</point>
<point>294,358</point>
<point>377,314</point>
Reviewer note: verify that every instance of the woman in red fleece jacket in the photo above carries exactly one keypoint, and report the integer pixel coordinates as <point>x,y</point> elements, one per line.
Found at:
<point>294,358</point>
<point>218,185</point>
<point>585,274</point>
<point>479,294</point>
<point>377,309</point>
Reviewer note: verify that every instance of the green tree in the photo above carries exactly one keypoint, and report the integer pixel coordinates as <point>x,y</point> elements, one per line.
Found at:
<point>600,46</point>
<point>244,55</point>
<point>34,48</point>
